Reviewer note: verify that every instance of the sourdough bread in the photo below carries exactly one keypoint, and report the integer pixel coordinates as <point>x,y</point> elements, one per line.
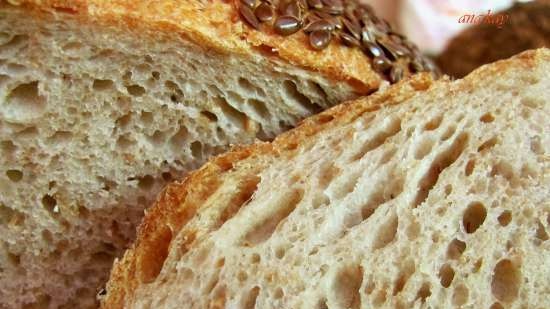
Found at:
<point>104,102</point>
<point>527,27</point>
<point>425,195</point>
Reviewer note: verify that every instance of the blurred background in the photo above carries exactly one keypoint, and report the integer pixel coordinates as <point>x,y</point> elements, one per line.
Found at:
<point>457,35</point>
<point>431,23</point>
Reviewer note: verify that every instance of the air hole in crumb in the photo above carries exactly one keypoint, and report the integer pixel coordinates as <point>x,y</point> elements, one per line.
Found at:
<point>250,298</point>
<point>242,276</point>
<point>283,207</point>
<point>496,306</point>
<point>50,203</point>
<point>178,140</point>
<point>455,249</point>
<point>295,95</point>
<point>504,218</point>
<point>279,293</point>
<point>235,116</point>
<point>246,85</point>
<point>14,175</point>
<point>72,48</point>
<point>146,182</point>
<point>413,230</point>
<point>135,90</point>
<point>210,116</point>
<point>439,164</point>
<point>196,149</point>
<point>124,142</point>
<point>424,292</point>
<point>541,232</point>
<point>487,118</point>
<point>47,236</point>
<point>24,102</point>
<point>506,281</point>
<point>14,259</point>
<point>477,265</point>
<point>448,133</point>
<point>379,298</point>
<point>220,263</point>
<point>460,295</point>
<point>280,252</point>
<point>470,167</point>
<point>386,232</point>
<point>446,275</point>
<point>8,147</point>
<point>391,190</point>
<point>259,107</point>
<point>434,123</point>
<point>346,285</point>
<point>127,76</point>
<point>155,75</point>
<point>242,195</point>
<point>255,258</point>
<point>146,117</point>
<point>102,84</point>
<point>490,143</point>
<point>123,121</point>
<point>423,148</point>
<point>29,132</point>
<point>405,273</point>
<point>60,137</point>
<point>448,189</point>
<point>347,185</point>
<point>158,138</point>
<point>473,217</point>
<point>391,127</point>
<point>505,170</point>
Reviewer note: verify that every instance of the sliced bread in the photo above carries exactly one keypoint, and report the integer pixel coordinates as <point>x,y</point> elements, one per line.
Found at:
<point>425,195</point>
<point>104,102</point>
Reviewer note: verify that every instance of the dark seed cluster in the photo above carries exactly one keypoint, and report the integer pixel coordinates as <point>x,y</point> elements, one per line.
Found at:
<point>350,22</point>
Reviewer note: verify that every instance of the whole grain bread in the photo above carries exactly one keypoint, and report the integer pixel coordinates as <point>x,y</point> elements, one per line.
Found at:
<point>527,27</point>
<point>104,102</point>
<point>425,195</point>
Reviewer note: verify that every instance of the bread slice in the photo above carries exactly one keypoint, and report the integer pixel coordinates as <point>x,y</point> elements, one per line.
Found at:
<point>103,102</point>
<point>425,195</point>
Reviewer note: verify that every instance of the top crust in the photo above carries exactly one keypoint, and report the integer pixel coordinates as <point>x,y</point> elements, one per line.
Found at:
<point>217,25</point>
<point>178,203</point>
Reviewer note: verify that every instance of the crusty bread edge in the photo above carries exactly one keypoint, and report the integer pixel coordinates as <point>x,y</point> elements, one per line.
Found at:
<point>337,62</point>
<point>179,201</point>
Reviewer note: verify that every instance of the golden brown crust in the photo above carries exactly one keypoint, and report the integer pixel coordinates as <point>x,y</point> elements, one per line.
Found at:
<point>216,25</point>
<point>181,200</point>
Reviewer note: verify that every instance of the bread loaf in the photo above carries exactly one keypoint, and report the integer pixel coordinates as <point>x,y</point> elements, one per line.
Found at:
<point>527,27</point>
<point>425,195</point>
<point>103,102</point>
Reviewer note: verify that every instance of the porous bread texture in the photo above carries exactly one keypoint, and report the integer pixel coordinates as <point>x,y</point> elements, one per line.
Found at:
<point>426,195</point>
<point>95,119</point>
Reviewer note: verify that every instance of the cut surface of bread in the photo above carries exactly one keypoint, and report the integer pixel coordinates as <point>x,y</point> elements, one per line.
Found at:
<point>425,195</point>
<point>104,102</point>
